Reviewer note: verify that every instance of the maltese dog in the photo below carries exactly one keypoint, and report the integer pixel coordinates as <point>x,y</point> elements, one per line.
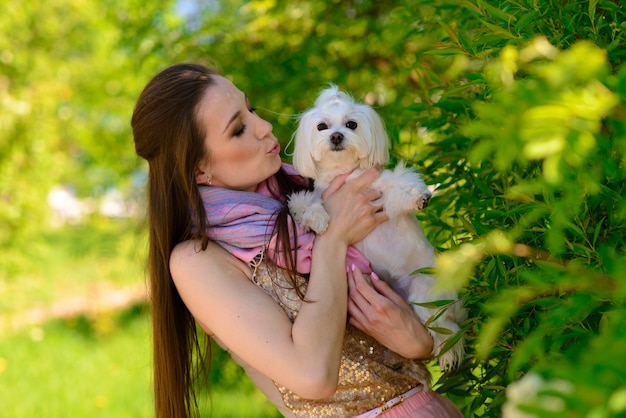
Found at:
<point>337,136</point>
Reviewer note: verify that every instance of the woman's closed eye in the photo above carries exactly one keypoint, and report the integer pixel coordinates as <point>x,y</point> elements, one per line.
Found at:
<point>241,130</point>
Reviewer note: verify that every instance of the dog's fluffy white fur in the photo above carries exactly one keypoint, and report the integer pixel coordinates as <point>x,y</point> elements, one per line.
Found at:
<point>338,135</point>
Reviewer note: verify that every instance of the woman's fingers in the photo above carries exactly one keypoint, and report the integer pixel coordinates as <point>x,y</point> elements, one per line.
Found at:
<point>335,185</point>
<point>355,300</point>
<point>384,289</point>
<point>360,182</point>
<point>381,313</point>
<point>362,294</point>
<point>353,214</point>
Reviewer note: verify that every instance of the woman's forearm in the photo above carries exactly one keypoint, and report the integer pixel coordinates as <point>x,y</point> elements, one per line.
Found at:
<point>320,325</point>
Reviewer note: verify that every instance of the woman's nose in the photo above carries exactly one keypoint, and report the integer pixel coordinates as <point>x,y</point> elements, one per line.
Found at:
<point>264,128</point>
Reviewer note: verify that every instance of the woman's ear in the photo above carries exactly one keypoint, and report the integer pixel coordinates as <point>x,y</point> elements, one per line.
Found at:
<point>202,174</point>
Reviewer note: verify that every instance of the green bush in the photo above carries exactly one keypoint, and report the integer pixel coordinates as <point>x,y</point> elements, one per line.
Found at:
<point>528,151</point>
<point>540,198</point>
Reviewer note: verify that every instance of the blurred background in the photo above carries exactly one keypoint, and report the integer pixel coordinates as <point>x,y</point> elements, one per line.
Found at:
<point>515,109</point>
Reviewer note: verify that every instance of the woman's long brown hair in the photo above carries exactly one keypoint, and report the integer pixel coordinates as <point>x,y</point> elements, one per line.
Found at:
<point>167,134</point>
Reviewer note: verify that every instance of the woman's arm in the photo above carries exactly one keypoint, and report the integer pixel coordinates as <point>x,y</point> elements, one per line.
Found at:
<point>303,356</point>
<point>217,289</point>
<point>380,312</point>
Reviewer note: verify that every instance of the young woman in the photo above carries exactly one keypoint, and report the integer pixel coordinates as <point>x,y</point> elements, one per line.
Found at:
<point>289,332</point>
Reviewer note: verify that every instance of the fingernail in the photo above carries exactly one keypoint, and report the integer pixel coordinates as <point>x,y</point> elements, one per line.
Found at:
<point>353,266</point>
<point>374,276</point>
<point>347,269</point>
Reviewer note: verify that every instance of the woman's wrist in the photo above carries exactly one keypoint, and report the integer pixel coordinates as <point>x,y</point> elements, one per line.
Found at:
<point>419,343</point>
<point>331,243</point>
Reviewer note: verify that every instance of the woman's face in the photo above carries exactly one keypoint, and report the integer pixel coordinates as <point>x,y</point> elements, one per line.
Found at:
<point>242,150</point>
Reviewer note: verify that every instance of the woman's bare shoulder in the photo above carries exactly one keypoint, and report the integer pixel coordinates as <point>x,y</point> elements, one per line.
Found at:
<point>188,257</point>
<point>209,281</point>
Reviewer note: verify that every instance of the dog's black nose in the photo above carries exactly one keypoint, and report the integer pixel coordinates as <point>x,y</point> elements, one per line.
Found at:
<point>336,138</point>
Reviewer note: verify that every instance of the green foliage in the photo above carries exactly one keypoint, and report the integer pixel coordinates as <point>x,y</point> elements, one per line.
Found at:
<point>548,225</point>
<point>530,165</point>
<point>64,265</point>
<point>67,87</point>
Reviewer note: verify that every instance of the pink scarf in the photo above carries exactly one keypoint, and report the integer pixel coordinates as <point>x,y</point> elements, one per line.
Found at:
<point>243,222</point>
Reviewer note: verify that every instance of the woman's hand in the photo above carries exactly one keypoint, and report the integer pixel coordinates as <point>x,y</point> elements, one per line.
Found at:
<point>383,314</point>
<point>352,207</point>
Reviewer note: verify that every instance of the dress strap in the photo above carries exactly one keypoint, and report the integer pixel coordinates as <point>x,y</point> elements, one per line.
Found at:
<point>390,403</point>
<point>256,262</point>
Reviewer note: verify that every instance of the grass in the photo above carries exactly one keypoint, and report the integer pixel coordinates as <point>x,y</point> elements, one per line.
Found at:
<point>84,367</point>
<point>81,361</point>
<point>72,262</point>
<point>100,367</point>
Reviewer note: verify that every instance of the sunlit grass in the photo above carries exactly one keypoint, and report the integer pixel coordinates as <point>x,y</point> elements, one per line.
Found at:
<point>97,367</point>
<point>94,362</point>
<point>70,264</point>
<point>100,367</point>
<point>229,404</point>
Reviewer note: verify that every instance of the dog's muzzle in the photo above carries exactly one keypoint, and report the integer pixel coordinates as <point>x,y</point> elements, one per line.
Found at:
<point>336,140</point>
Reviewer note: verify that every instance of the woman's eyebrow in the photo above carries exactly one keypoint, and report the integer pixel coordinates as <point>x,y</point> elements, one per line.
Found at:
<point>235,116</point>
<point>237,113</point>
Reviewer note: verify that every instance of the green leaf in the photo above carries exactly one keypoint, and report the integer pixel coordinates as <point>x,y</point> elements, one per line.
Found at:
<point>446,50</point>
<point>525,20</point>
<point>434,304</point>
<point>441,330</point>
<point>597,231</point>
<point>496,12</point>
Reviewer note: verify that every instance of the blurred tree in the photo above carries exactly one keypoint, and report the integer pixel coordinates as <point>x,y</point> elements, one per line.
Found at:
<point>283,52</point>
<point>68,80</point>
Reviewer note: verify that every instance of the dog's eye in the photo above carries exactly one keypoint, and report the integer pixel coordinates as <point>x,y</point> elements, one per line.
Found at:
<point>322,127</point>
<point>351,124</point>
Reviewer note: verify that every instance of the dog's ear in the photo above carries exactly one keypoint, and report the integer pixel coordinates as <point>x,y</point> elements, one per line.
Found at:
<point>302,154</point>
<point>379,154</point>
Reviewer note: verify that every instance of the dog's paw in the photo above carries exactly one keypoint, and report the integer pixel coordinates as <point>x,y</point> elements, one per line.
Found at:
<point>299,203</point>
<point>419,197</point>
<point>453,357</point>
<point>405,189</point>
<point>315,218</point>
<point>442,332</point>
<point>422,201</point>
<point>308,211</point>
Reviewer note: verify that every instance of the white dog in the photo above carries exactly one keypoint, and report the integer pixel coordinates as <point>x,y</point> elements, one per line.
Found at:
<point>338,135</point>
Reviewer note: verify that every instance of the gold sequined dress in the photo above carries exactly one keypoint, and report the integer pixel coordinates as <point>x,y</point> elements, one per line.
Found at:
<point>369,374</point>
